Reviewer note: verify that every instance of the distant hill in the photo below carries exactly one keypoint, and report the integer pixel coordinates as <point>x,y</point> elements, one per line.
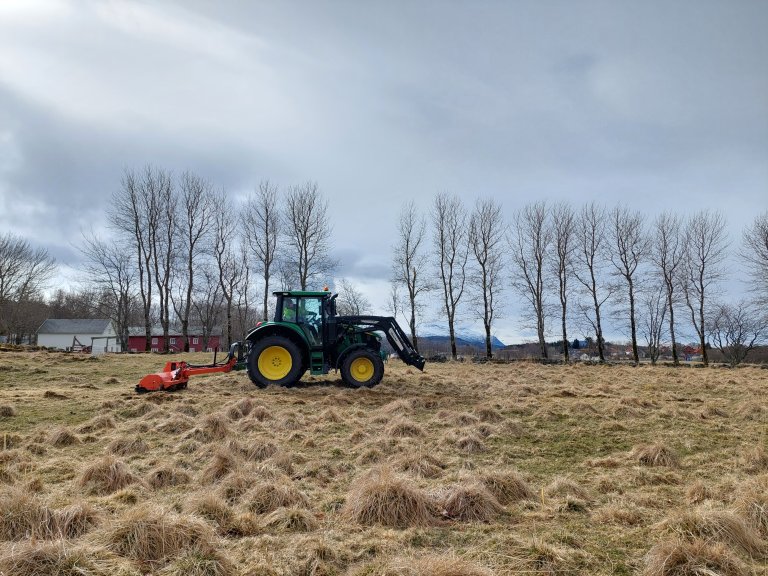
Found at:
<point>437,333</point>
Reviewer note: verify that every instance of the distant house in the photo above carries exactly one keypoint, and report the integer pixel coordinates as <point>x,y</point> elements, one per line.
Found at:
<point>137,339</point>
<point>79,335</point>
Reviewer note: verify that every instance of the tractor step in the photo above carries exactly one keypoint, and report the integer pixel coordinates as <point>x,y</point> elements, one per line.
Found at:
<point>316,362</point>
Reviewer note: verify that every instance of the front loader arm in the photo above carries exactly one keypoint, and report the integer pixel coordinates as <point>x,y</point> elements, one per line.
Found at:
<point>395,335</point>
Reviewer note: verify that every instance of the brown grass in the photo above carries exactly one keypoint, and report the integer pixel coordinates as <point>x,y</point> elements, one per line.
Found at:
<point>381,497</point>
<point>7,411</point>
<point>106,476</point>
<point>656,454</point>
<point>548,422</point>
<point>290,520</point>
<point>717,526</point>
<point>404,428</point>
<point>62,436</point>
<point>691,558</point>
<point>128,446</point>
<point>470,503</point>
<point>151,534</point>
<point>507,486</point>
<point>165,476</point>
<point>268,496</point>
<point>56,559</point>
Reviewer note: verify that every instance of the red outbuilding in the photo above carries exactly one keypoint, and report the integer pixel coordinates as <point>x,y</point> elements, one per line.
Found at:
<point>197,342</point>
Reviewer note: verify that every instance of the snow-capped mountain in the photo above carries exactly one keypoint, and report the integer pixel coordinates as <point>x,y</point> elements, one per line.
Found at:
<point>468,334</point>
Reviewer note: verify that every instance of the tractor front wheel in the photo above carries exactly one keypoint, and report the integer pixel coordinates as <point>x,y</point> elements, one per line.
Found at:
<point>362,367</point>
<point>274,360</point>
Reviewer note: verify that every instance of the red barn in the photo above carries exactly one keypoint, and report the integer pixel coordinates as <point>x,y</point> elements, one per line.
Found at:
<point>137,340</point>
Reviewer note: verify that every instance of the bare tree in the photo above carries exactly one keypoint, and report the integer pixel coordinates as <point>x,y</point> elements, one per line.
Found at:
<point>449,221</point>
<point>134,214</point>
<point>207,302</point>
<point>24,272</point>
<point>737,329</point>
<point>667,255</point>
<point>705,249</point>
<point>308,233</point>
<point>563,238</point>
<point>227,254</point>
<point>110,269</point>
<point>351,302</point>
<point>630,248</point>
<point>486,240</point>
<point>262,230</point>
<point>409,266</point>
<point>653,309</point>
<point>530,243</point>
<point>591,257</point>
<point>160,189</point>
<point>193,223</point>
<point>755,253</point>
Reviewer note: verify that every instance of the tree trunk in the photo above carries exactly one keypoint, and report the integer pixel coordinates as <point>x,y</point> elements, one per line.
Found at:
<point>675,357</point>
<point>632,323</point>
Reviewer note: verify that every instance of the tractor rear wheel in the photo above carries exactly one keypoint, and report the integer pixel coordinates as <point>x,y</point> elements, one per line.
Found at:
<point>274,360</point>
<point>362,367</point>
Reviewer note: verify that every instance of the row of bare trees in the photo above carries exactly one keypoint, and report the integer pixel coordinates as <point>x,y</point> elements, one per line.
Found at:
<point>189,254</point>
<point>583,267</point>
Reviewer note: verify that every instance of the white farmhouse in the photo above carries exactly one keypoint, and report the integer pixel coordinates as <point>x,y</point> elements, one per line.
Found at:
<point>65,334</point>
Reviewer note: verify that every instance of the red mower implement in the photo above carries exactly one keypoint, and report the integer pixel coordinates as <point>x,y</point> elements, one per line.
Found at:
<point>176,374</point>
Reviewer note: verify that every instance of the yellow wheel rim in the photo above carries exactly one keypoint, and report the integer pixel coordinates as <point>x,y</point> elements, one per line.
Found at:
<point>361,369</point>
<point>275,363</point>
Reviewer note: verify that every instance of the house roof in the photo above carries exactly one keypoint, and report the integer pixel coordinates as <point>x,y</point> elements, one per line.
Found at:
<point>74,326</point>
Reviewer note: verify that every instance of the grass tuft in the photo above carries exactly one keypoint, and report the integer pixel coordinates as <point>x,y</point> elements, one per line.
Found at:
<point>381,497</point>
<point>691,558</point>
<point>470,503</point>
<point>655,455</point>
<point>106,476</point>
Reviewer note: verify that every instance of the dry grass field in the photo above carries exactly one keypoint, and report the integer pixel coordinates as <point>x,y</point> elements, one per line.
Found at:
<point>462,470</point>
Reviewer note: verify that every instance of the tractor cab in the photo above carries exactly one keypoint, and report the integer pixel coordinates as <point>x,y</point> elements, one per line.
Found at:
<point>310,311</point>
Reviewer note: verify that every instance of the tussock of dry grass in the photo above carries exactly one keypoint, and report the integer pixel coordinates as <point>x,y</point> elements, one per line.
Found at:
<point>717,526</point>
<point>421,464</point>
<point>691,558</point>
<point>101,422</point>
<point>537,556</point>
<point>290,520</point>
<point>177,424</point>
<point>623,513</point>
<point>655,455</point>
<point>195,562</point>
<point>259,450</point>
<point>56,559</point>
<point>470,444</point>
<point>7,411</point>
<point>755,459</point>
<point>214,509</point>
<point>165,476</point>
<point>223,462</point>
<point>507,486</point>
<point>404,428</point>
<point>151,534</point>
<point>429,565</point>
<point>106,476</point>
<point>380,497</point>
<point>697,492</point>
<point>24,516</point>
<point>214,427</point>
<point>752,503</point>
<point>62,436</point>
<point>128,446</point>
<point>565,487</point>
<point>470,503</point>
<point>269,496</point>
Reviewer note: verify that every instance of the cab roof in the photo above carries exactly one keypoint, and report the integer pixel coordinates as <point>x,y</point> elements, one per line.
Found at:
<point>322,293</point>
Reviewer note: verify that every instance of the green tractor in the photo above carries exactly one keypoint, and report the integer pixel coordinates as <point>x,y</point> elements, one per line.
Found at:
<point>307,334</point>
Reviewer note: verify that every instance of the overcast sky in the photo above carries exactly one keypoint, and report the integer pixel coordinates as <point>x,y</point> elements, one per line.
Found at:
<point>656,105</point>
